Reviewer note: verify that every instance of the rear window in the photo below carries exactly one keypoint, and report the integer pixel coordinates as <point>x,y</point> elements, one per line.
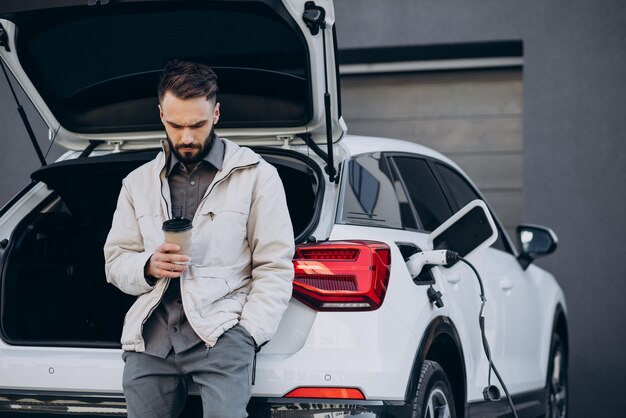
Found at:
<point>369,195</point>
<point>97,67</point>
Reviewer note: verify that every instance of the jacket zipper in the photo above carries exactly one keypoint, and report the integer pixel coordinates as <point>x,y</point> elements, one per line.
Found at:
<point>206,353</point>
<point>168,216</point>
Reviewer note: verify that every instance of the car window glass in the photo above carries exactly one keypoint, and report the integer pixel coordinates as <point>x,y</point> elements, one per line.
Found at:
<point>463,193</point>
<point>406,212</point>
<point>369,196</point>
<point>424,191</point>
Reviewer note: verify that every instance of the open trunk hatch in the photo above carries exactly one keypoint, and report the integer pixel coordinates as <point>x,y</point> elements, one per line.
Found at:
<point>91,71</point>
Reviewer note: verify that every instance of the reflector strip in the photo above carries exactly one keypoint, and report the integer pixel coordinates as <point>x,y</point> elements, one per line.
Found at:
<point>345,305</point>
<point>326,393</point>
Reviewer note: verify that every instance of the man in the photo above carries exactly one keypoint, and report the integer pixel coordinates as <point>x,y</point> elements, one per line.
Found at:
<point>201,315</point>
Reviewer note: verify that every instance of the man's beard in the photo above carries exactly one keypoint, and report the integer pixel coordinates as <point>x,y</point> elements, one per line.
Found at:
<point>203,148</point>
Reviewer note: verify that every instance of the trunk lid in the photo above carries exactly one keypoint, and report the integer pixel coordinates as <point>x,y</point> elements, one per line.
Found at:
<point>91,70</point>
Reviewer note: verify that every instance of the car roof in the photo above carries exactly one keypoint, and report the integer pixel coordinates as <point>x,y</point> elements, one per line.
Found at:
<point>360,144</point>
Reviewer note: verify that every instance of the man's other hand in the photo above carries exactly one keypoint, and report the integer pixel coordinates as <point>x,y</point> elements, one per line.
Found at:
<point>162,264</point>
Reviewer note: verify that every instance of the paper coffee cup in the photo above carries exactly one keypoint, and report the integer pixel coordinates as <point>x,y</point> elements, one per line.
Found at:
<point>178,231</point>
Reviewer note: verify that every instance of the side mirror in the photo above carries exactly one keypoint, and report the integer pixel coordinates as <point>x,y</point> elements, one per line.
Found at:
<point>536,241</point>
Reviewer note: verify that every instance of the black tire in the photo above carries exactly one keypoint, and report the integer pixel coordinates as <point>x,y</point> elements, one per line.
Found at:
<point>433,398</point>
<point>557,384</point>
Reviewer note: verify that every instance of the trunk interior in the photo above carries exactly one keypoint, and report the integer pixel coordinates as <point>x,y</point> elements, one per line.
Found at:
<point>54,291</point>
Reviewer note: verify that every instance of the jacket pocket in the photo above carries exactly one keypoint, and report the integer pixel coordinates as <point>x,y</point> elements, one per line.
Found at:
<point>150,224</point>
<point>223,236</point>
<point>207,285</point>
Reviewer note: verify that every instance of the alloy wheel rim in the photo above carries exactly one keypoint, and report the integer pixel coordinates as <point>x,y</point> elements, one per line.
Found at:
<point>558,387</point>
<point>437,406</point>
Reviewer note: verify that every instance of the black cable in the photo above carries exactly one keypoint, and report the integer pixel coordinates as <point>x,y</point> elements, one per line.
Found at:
<point>481,322</point>
<point>481,318</point>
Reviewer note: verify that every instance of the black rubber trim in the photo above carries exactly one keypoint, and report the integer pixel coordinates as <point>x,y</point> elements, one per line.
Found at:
<point>528,404</point>
<point>559,314</point>
<point>440,325</point>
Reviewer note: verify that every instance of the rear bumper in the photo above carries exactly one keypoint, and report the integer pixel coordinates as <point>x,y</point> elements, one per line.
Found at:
<point>325,408</point>
<point>114,405</point>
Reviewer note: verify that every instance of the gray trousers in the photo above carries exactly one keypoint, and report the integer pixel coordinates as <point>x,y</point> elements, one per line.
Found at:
<point>156,387</point>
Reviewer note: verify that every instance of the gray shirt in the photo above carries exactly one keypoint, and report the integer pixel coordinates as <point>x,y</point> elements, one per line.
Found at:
<point>168,327</point>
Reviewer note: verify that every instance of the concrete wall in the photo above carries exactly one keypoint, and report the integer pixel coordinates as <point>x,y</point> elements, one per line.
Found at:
<point>574,135</point>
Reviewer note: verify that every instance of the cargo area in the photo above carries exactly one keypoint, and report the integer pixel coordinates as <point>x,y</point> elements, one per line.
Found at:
<point>54,291</point>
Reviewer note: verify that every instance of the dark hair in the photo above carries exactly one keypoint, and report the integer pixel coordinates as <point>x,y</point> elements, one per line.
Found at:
<point>187,80</point>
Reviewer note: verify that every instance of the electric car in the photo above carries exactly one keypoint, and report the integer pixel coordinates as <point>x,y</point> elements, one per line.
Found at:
<point>409,298</point>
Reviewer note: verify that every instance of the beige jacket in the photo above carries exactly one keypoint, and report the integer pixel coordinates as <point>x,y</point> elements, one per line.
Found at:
<point>242,247</point>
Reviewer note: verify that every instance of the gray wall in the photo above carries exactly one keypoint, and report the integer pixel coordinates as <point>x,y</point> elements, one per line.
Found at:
<point>473,117</point>
<point>574,135</point>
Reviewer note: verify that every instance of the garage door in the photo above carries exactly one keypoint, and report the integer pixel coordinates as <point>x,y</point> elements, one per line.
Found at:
<point>473,117</point>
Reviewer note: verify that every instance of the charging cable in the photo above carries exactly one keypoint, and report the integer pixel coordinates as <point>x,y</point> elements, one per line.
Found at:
<point>416,263</point>
<point>490,393</point>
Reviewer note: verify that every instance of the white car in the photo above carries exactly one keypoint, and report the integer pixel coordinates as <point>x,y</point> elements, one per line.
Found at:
<point>378,326</point>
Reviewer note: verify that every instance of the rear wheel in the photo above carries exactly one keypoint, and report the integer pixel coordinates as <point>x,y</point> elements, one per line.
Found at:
<point>557,379</point>
<point>434,395</point>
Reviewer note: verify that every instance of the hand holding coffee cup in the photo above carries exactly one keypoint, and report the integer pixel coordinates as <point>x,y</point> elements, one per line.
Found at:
<point>178,231</point>
<point>166,262</point>
<point>171,258</point>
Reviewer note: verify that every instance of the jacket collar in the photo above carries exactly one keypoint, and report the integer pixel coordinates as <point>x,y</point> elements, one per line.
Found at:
<point>234,157</point>
<point>215,156</point>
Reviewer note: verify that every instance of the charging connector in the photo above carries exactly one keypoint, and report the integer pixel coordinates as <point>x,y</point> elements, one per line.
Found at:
<point>418,261</point>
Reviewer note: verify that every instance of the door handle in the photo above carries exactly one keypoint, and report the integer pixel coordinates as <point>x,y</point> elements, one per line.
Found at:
<point>453,278</point>
<point>506,284</point>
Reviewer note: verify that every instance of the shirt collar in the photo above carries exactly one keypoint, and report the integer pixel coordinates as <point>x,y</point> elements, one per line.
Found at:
<point>215,156</point>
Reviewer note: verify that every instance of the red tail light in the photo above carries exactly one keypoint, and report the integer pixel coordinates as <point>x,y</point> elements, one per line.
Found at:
<point>326,393</point>
<point>342,275</point>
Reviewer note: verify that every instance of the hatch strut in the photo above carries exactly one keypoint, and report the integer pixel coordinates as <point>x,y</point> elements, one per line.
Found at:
<point>22,113</point>
<point>314,18</point>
